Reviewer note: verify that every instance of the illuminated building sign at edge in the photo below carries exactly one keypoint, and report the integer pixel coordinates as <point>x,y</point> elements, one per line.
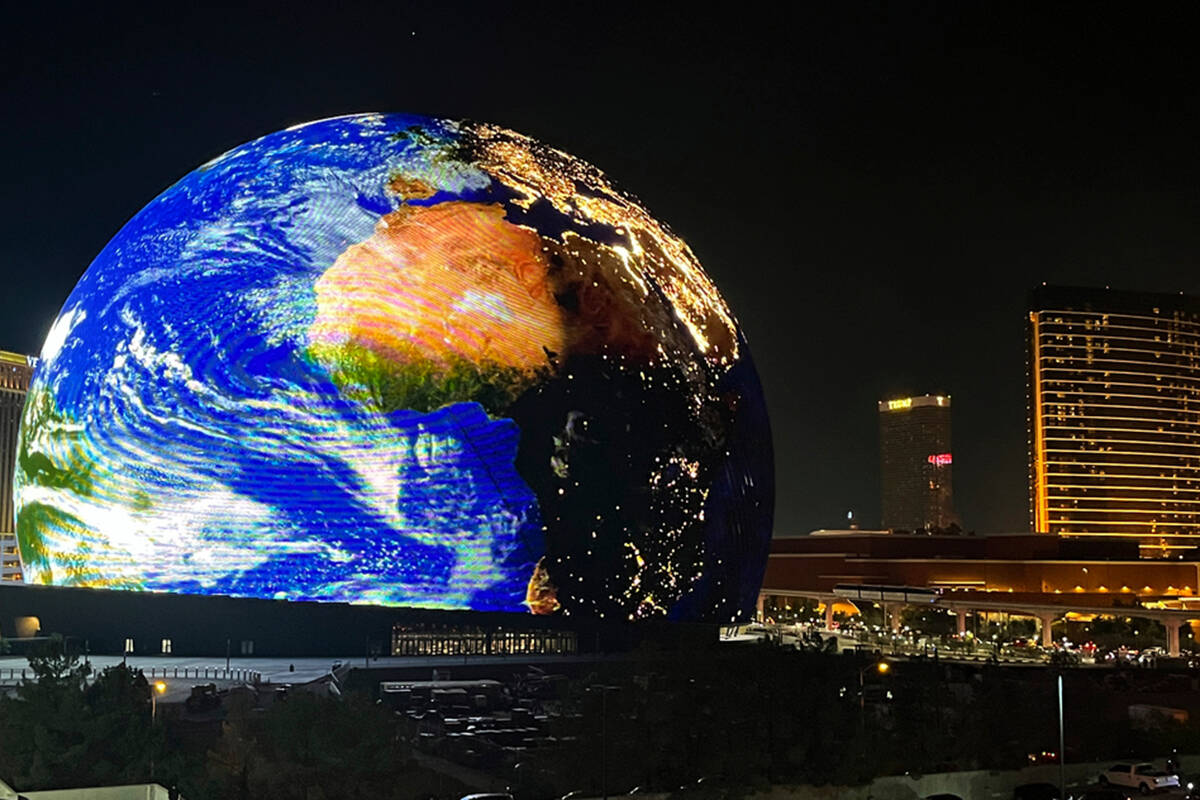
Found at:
<point>908,403</point>
<point>940,459</point>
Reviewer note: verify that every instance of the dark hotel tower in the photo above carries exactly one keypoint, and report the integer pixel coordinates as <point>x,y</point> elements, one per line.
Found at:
<point>916,463</point>
<point>1114,416</point>
<point>15,371</point>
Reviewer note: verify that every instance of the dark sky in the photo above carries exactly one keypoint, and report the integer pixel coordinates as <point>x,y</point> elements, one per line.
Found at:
<point>874,189</point>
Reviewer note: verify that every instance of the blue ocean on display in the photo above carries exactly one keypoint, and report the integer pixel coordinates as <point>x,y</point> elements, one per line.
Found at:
<point>397,360</point>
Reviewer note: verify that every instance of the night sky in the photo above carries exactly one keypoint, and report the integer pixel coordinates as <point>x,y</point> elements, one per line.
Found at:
<point>873,189</point>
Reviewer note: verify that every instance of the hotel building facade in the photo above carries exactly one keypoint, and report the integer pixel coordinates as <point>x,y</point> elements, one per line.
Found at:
<point>1114,417</point>
<point>15,372</point>
<point>916,465</point>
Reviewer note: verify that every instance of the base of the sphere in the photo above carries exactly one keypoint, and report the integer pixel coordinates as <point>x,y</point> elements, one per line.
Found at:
<point>99,621</point>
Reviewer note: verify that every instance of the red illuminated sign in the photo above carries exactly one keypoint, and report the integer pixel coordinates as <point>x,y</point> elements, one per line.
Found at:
<point>940,459</point>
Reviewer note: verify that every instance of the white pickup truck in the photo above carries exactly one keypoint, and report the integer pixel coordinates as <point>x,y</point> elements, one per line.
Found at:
<point>1143,777</point>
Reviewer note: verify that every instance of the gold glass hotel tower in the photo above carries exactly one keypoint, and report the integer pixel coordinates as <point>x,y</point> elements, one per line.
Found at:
<point>916,466</point>
<point>15,372</point>
<point>1114,416</point>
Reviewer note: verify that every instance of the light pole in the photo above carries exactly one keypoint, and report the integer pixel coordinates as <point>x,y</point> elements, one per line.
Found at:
<point>604,690</point>
<point>1062,750</point>
<point>157,688</point>
<point>881,667</point>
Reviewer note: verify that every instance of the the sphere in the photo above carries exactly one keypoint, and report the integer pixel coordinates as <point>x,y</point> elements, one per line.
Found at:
<point>398,360</point>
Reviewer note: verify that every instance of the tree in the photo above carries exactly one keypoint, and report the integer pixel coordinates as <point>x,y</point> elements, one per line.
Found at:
<point>59,732</point>
<point>56,667</point>
<point>39,729</point>
<point>309,746</point>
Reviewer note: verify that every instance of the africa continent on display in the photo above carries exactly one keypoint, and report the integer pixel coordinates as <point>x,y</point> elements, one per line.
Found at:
<point>405,361</point>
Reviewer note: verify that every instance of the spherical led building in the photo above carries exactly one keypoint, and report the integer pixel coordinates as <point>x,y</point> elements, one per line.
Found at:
<point>403,361</point>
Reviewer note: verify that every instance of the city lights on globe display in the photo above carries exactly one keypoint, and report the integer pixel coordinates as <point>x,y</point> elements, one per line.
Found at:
<point>405,361</point>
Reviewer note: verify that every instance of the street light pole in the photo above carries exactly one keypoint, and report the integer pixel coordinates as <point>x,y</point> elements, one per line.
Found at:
<point>153,714</point>
<point>1062,749</point>
<point>881,667</point>
<point>604,690</point>
<point>157,688</point>
<point>604,744</point>
<point>862,704</point>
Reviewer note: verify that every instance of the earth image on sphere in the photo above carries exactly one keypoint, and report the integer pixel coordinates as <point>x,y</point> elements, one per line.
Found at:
<point>406,361</point>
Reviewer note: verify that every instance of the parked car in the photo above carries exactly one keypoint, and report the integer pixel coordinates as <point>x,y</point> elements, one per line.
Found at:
<point>1143,777</point>
<point>1036,791</point>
